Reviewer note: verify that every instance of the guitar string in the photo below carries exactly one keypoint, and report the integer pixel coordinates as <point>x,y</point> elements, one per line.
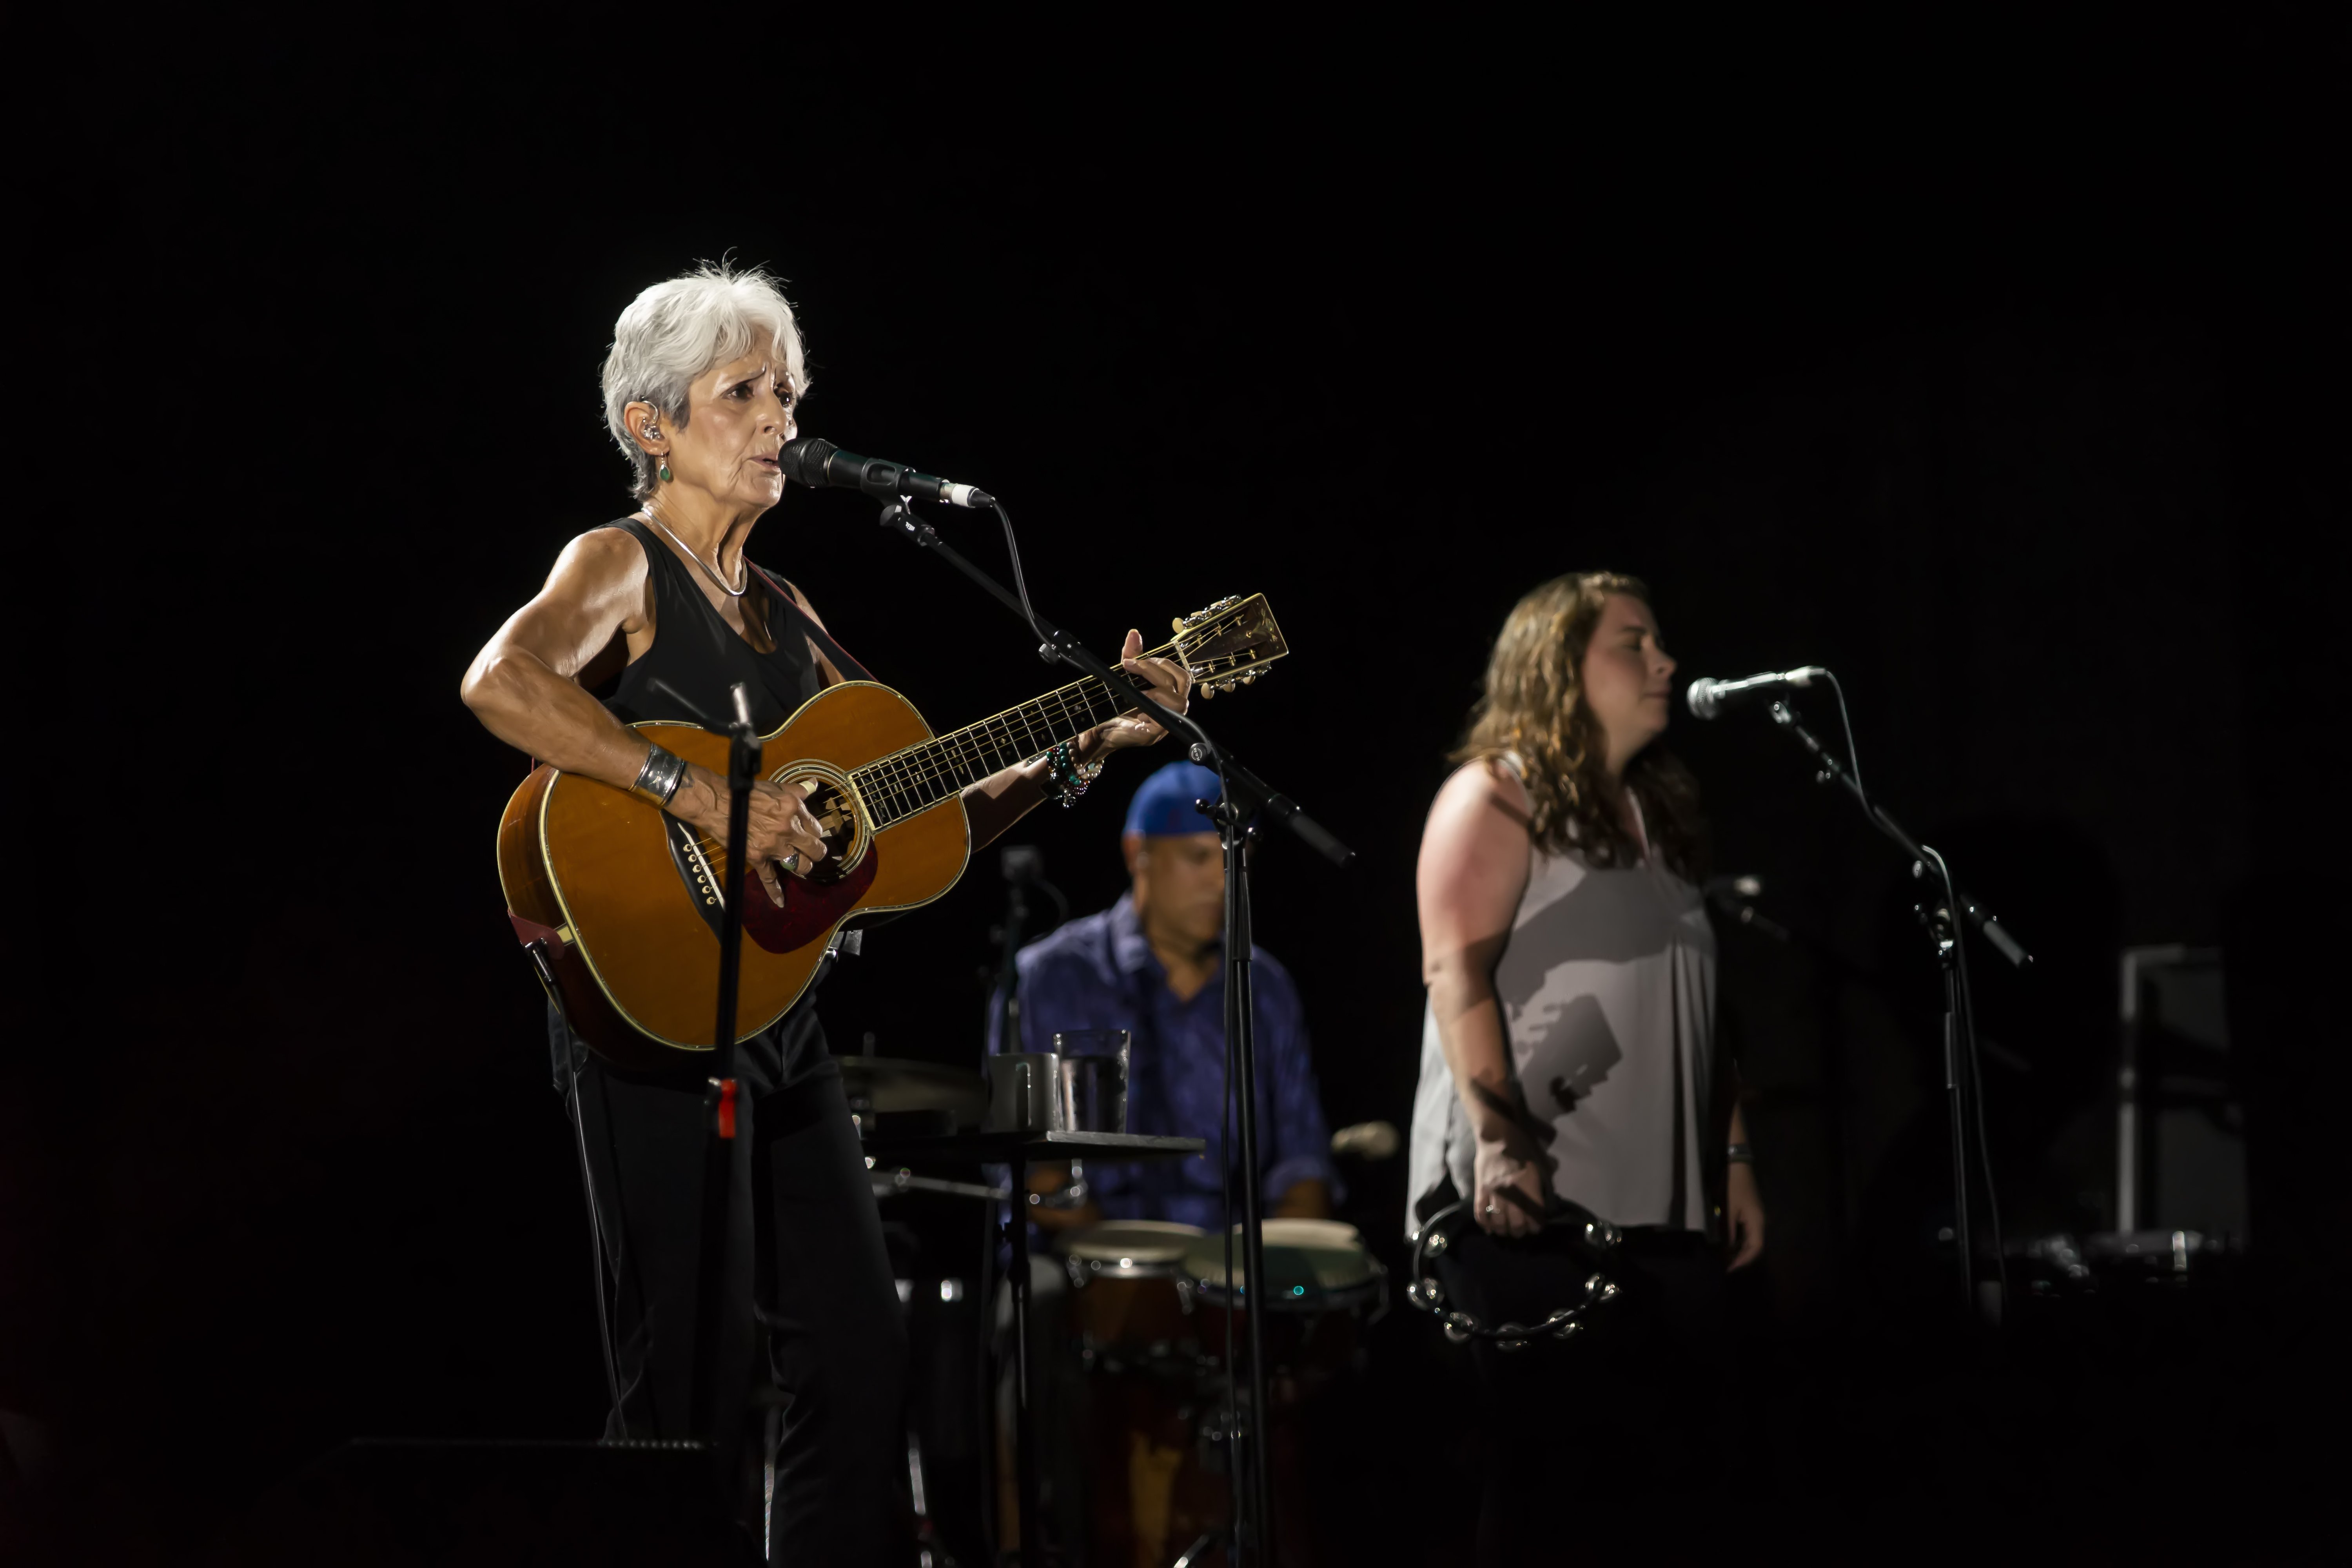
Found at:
<point>980,743</point>
<point>917,764</point>
<point>988,741</point>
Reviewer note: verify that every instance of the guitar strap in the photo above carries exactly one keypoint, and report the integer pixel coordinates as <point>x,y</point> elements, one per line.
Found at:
<point>788,600</point>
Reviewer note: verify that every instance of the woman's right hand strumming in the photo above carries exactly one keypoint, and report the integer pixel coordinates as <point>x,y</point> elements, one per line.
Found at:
<point>780,832</point>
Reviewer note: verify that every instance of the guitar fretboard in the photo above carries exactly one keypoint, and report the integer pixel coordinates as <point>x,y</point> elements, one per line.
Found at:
<point>897,786</point>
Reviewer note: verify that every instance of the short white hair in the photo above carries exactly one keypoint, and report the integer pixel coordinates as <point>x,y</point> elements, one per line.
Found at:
<point>676,332</point>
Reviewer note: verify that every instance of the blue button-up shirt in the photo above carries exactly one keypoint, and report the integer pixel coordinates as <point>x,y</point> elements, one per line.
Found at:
<point>1099,972</point>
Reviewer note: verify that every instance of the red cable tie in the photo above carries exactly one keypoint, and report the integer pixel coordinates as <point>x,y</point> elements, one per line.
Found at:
<point>727,1107</point>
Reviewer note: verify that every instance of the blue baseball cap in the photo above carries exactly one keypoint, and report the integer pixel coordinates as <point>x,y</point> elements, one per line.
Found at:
<point>1162,806</point>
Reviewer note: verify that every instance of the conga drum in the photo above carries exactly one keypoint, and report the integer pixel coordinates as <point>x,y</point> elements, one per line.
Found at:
<point>1324,1288</point>
<point>1131,1329</point>
<point>1127,1304</point>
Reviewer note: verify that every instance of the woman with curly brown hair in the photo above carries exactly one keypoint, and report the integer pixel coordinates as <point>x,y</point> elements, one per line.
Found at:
<point>1568,1054</point>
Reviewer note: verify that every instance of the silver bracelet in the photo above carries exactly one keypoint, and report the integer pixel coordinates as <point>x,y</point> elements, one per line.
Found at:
<point>1739,1154</point>
<point>659,780</point>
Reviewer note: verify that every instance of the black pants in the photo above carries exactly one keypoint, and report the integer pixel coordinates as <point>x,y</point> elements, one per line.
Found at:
<point>1589,1441</point>
<point>812,1365</point>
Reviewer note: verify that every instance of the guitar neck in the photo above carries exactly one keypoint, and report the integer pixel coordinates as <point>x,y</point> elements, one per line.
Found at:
<point>897,786</point>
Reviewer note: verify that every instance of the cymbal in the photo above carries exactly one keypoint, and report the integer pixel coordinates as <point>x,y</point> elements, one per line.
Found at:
<point>891,1084</point>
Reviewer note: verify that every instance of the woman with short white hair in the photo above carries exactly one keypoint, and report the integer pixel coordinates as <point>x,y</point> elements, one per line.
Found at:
<point>701,386</point>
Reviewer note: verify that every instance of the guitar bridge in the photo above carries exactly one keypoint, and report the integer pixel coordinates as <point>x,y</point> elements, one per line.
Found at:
<point>694,871</point>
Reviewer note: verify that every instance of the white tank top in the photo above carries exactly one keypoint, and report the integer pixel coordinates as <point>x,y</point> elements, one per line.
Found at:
<point>1608,997</point>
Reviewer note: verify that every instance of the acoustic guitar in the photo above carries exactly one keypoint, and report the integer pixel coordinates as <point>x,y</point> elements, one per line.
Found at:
<point>618,903</point>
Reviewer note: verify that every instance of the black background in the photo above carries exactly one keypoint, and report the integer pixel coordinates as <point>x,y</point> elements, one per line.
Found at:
<point>1991,362</point>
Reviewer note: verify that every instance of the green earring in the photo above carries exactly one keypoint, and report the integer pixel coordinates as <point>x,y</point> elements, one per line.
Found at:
<point>664,470</point>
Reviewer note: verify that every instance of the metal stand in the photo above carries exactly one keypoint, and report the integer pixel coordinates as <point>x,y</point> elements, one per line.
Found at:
<point>1939,915</point>
<point>719,1104</point>
<point>1016,1149</point>
<point>1240,1054</point>
<point>1244,794</point>
<point>1024,1435</point>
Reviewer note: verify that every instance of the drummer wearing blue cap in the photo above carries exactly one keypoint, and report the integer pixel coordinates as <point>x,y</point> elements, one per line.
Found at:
<point>1153,964</point>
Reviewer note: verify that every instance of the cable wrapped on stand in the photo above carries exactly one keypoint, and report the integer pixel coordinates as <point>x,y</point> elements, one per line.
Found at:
<point>1592,1234</point>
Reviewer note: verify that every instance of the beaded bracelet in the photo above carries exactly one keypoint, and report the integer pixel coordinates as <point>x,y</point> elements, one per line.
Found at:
<point>1066,778</point>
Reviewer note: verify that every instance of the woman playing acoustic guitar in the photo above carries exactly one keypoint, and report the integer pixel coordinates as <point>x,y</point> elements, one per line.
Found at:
<point>700,388</point>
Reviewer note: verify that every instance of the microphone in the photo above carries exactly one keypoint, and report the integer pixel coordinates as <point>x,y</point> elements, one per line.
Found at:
<point>1366,1141</point>
<point>1709,697</point>
<point>819,463</point>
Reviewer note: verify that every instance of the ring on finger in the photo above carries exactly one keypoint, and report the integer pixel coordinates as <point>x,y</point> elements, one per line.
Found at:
<point>792,861</point>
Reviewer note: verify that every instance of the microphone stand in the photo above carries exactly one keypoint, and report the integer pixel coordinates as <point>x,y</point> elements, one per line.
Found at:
<point>1243,795</point>
<point>719,1104</point>
<point>1951,958</point>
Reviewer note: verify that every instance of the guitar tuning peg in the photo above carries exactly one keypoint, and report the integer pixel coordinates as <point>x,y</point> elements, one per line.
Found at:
<point>1207,691</point>
<point>1177,625</point>
<point>1249,678</point>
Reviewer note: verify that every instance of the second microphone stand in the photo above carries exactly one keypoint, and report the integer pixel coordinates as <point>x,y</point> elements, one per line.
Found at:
<point>1942,919</point>
<point>1242,795</point>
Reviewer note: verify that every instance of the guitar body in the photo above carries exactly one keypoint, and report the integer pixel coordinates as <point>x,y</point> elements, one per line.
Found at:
<point>627,899</point>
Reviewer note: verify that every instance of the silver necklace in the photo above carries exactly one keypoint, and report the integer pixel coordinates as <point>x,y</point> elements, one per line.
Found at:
<point>735,593</point>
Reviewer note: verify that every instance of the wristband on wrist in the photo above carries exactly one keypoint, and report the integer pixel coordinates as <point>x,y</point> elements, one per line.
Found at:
<point>1066,778</point>
<point>659,780</point>
<point>1739,1154</point>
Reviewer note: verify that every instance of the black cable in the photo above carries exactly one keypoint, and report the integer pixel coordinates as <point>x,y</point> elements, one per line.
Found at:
<point>1853,757</point>
<point>596,1244</point>
<point>1061,900</point>
<point>1966,1025</point>
<point>1020,583</point>
<point>1977,1093</point>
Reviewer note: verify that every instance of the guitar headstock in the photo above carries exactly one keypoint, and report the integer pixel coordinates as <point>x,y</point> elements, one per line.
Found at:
<point>1229,642</point>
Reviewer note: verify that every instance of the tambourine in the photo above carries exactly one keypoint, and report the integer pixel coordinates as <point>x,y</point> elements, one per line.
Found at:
<point>1594,1235</point>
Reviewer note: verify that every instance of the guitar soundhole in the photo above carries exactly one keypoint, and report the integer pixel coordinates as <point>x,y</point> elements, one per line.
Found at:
<point>837,821</point>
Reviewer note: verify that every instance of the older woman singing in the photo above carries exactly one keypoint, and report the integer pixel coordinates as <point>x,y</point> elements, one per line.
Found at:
<point>701,385</point>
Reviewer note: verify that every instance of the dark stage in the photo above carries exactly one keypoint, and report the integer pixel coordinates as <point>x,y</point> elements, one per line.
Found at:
<point>1993,361</point>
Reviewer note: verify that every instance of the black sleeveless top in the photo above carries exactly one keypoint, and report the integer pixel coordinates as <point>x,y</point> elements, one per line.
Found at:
<point>696,652</point>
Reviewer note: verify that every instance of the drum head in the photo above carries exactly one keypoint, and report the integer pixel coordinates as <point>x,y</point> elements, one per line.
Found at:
<point>1133,1243</point>
<point>1307,1261</point>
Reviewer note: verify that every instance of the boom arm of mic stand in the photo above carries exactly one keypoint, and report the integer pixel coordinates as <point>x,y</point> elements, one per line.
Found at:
<point>899,517</point>
<point>1833,768</point>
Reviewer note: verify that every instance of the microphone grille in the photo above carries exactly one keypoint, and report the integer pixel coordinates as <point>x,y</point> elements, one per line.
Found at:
<point>803,461</point>
<point>1702,698</point>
